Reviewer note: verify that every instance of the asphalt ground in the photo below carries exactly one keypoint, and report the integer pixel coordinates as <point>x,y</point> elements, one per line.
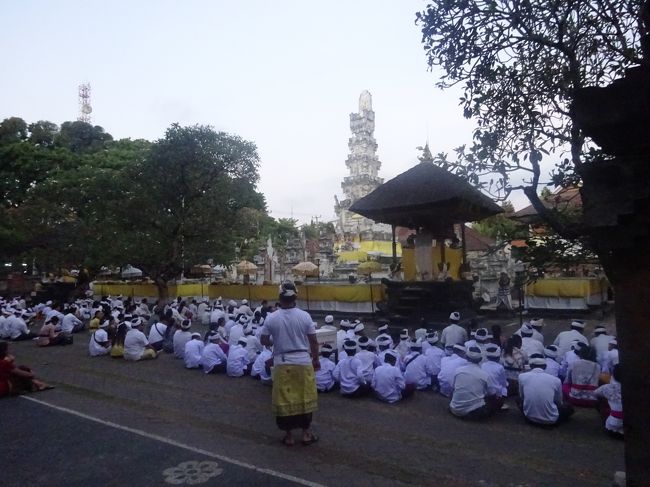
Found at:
<point>222,419</point>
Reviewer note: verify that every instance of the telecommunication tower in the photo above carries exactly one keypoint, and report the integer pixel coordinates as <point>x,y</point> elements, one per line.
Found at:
<point>84,103</point>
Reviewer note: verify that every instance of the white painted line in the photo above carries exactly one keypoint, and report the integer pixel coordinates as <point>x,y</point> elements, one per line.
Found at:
<point>514,323</point>
<point>162,439</point>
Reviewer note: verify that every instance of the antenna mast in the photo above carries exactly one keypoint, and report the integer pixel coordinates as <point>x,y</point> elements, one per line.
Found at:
<point>84,103</point>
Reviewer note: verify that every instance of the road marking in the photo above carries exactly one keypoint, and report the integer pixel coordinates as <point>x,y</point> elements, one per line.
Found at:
<point>192,472</point>
<point>514,323</point>
<point>162,439</point>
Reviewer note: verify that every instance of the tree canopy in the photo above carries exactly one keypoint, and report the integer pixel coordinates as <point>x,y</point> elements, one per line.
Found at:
<point>519,64</point>
<point>74,197</point>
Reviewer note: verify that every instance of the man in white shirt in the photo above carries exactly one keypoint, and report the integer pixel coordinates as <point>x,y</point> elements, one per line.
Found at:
<point>99,343</point>
<point>181,337</point>
<point>612,355</point>
<point>367,358</point>
<point>325,376</point>
<point>382,331</point>
<point>17,327</point>
<point>261,368</point>
<point>70,323</point>
<point>540,396</point>
<point>600,343</point>
<point>453,334</point>
<point>402,347</point>
<point>471,389</point>
<point>448,367</point>
<point>418,369</point>
<point>349,373</point>
<point>213,358</point>
<point>537,324</point>
<point>237,364</point>
<point>528,344</point>
<point>388,382</point>
<point>157,335</point>
<point>136,345</point>
<point>552,365</point>
<point>498,383</point>
<point>193,351</point>
<point>565,339</point>
<point>435,354</point>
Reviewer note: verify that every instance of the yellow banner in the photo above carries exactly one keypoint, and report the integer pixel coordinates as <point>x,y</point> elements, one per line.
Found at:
<point>566,287</point>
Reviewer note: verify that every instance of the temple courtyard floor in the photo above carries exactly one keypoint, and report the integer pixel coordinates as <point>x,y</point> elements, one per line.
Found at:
<point>112,422</point>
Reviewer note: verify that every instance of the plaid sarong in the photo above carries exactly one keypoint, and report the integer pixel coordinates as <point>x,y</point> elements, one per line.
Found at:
<point>294,390</point>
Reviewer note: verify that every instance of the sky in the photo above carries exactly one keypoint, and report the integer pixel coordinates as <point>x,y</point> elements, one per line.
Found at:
<point>283,74</point>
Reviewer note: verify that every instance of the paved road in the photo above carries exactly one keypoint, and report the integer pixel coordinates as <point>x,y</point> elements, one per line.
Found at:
<point>363,442</point>
<point>56,448</point>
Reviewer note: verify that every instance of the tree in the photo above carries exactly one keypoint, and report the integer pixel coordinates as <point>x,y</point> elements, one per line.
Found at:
<point>81,137</point>
<point>502,226</point>
<point>522,66</point>
<point>183,199</point>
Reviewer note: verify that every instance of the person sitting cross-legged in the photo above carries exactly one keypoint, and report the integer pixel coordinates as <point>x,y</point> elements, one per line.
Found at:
<point>540,396</point>
<point>136,345</point>
<point>471,397</point>
<point>325,375</point>
<point>388,382</point>
<point>349,373</point>
<point>213,358</point>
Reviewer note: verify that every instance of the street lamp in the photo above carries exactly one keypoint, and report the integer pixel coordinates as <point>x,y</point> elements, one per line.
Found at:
<point>318,265</point>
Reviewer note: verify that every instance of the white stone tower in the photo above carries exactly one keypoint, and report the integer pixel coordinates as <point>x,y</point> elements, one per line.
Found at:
<point>363,164</point>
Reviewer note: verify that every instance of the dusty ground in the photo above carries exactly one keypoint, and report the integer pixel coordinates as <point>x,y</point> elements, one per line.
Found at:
<point>363,442</point>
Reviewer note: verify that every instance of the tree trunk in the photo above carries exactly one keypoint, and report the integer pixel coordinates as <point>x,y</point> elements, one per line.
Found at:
<point>163,290</point>
<point>630,275</point>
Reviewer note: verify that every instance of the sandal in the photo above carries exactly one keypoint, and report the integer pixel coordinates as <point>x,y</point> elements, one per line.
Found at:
<point>286,441</point>
<point>312,439</point>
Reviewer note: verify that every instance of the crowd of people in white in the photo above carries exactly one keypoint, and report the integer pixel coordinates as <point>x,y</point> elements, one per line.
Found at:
<point>476,368</point>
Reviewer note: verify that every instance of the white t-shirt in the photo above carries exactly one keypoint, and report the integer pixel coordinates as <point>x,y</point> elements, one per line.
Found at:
<point>237,361</point>
<point>134,344</point>
<point>324,376</point>
<point>453,335</point>
<point>193,351</point>
<point>259,365</point>
<point>157,332</point>
<point>497,381</point>
<point>212,356</point>
<point>541,392</point>
<point>290,329</point>
<point>388,383</point>
<point>94,348</point>
<point>470,389</point>
<point>180,339</point>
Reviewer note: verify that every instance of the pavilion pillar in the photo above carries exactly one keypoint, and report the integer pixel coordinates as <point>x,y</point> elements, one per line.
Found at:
<point>392,229</point>
<point>464,247</point>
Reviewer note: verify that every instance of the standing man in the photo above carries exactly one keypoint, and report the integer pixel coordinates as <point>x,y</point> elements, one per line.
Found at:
<point>292,333</point>
<point>454,334</point>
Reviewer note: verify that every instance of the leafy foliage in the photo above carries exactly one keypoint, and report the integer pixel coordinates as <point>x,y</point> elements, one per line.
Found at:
<point>502,226</point>
<point>519,63</point>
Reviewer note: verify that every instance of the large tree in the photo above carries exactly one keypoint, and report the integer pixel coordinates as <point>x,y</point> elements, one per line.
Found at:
<point>522,65</point>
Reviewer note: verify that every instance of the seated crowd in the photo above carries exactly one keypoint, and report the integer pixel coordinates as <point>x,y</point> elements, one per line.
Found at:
<point>475,369</point>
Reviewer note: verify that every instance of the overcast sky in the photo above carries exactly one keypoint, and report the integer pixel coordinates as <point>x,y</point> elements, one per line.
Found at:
<point>284,74</point>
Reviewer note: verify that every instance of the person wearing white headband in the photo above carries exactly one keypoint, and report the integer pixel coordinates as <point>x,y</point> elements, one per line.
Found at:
<point>498,382</point>
<point>472,396</point>
<point>528,344</point>
<point>565,338</point>
<point>435,354</point>
<point>349,373</point>
<point>540,396</point>
<point>342,334</point>
<point>454,333</point>
<point>388,383</point>
<point>193,351</point>
<point>448,367</point>
<point>213,358</point>
<point>600,343</point>
<point>552,365</point>
<point>237,364</point>
<point>295,360</point>
<point>402,347</point>
<point>612,355</point>
<point>181,337</point>
<point>325,376</point>
<point>418,368</point>
<point>237,330</point>
<point>136,345</point>
<point>99,343</point>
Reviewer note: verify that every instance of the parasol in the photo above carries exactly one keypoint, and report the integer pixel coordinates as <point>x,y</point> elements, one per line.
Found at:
<point>305,268</point>
<point>246,267</point>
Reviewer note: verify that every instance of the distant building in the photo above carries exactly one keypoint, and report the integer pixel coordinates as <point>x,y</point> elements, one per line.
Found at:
<point>364,165</point>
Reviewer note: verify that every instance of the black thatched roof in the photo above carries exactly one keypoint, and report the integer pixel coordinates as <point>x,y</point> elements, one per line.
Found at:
<point>425,196</point>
